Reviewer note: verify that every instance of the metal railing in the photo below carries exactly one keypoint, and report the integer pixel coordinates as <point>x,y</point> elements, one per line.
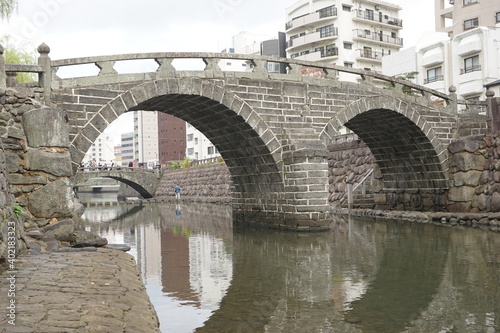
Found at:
<point>385,19</point>
<point>376,36</point>
<point>470,69</point>
<point>352,188</point>
<point>434,79</point>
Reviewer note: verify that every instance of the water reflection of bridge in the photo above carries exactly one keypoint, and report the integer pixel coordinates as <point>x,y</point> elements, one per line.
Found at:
<point>361,277</point>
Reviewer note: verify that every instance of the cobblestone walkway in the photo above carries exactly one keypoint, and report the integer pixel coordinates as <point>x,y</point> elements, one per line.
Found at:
<point>99,291</point>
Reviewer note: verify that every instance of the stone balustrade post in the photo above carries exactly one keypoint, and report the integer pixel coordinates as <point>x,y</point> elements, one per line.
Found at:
<point>453,102</point>
<point>493,110</point>
<point>3,84</point>
<point>11,80</point>
<point>45,78</point>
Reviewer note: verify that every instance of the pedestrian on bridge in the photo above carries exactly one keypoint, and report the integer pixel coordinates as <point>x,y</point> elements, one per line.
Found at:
<point>177,191</point>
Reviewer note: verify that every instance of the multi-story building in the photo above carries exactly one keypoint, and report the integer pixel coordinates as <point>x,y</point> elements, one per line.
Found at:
<point>350,33</point>
<point>468,61</point>
<point>146,141</point>
<point>101,151</point>
<point>198,147</point>
<point>127,149</point>
<point>171,138</point>
<point>457,16</point>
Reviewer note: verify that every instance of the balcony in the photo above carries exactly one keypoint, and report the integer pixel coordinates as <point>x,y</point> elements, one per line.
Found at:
<point>434,79</point>
<point>378,37</point>
<point>384,20</point>
<point>312,37</point>
<point>476,68</point>
<point>311,19</point>
<point>324,54</point>
<point>371,55</point>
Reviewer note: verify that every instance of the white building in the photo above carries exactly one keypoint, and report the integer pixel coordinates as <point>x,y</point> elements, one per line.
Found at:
<point>198,147</point>
<point>146,137</point>
<point>102,150</point>
<point>468,61</point>
<point>350,33</point>
<point>127,148</point>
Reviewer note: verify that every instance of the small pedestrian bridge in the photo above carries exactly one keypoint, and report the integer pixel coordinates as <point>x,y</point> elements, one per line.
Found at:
<point>272,129</point>
<point>144,181</point>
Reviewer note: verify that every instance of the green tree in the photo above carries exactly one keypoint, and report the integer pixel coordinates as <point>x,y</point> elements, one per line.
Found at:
<point>406,77</point>
<point>7,8</point>
<point>19,57</point>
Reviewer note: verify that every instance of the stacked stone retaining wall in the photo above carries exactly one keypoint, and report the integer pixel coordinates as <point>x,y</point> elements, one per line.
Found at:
<point>349,160</point>
<point>205,181</point>
<point>475,174</point>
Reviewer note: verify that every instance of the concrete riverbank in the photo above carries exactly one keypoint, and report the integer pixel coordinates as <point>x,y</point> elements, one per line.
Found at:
<point>99,290</point>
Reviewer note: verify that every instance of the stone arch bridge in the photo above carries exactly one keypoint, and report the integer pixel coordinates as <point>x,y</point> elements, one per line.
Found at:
<point>271,129</point>
<point>144,181</point>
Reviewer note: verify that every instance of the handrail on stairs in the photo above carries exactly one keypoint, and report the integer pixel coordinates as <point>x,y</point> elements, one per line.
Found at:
<point>353,187</point>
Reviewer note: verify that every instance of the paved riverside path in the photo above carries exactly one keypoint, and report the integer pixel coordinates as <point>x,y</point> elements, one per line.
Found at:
<point>85,291</point>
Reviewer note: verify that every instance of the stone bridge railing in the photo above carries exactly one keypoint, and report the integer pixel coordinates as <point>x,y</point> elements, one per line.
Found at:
<point>48,79</point>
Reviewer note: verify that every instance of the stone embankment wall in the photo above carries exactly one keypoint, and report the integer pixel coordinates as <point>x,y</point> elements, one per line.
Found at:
<point>349,160</point>
<point>475,174</point>
<point>10,225</point>
<point>207,181</point>
<point>38,165</point>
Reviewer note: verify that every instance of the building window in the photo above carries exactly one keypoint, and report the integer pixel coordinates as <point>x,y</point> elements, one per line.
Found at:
<point>369,14</point>
<point>190,137</point>
<point>348,64</point>
<point>470,24</point>
<point>469,2</point>
<point>498,17</point>
<point>433,75</point>
<point>190,151</point>
<point>210,150</point>
<point>326,31</point>
<point>471,64</point>
<point>346,8</point>
<point>328,11</point>
<point>347,46</point>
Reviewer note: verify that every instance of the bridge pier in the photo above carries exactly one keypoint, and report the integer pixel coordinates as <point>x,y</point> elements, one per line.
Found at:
<point>301,204</point>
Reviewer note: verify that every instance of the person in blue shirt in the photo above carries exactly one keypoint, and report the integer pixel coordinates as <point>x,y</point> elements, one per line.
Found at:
<point>177,191</point>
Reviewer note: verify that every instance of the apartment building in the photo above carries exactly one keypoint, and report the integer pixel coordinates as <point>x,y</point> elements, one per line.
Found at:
<point>146,137</point>
<point>468,60</point>
<point>350,33</point>
<point>171,138</point>
<point>127,151</point>
<point>457,16</point>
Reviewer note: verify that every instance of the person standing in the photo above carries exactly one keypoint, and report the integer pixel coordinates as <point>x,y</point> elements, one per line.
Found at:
<point>177,191</point>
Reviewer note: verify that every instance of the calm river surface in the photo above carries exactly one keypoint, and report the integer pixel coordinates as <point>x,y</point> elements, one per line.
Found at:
<point>363,276</point>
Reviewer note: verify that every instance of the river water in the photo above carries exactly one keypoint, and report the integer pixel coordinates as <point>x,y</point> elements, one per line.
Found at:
<point>365,275</point>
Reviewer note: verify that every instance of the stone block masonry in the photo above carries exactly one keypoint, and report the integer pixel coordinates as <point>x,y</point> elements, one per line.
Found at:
<point>99,291</point>
<point>208,181</point>
<point>475,172</point>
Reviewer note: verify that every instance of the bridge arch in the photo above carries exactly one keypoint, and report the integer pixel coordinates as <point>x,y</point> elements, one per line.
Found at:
<point>410,153</point>
<point>144,181</point>
<point>249,147</point>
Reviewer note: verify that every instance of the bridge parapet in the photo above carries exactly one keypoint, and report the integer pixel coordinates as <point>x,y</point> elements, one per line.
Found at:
<point>297,70</point>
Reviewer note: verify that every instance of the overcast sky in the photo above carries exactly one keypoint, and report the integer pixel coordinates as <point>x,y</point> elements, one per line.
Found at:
<point>76,28</point>
<point>79,28</point>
